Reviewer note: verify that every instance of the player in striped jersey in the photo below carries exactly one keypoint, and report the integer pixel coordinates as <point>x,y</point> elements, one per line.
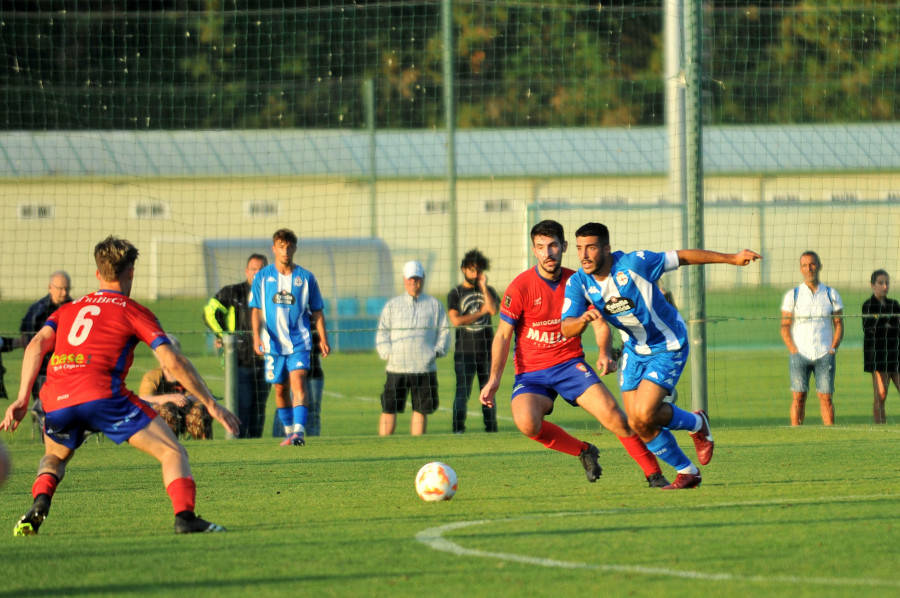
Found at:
<point>549,365</point>
<point>286,302</point>
<point>622,289</point>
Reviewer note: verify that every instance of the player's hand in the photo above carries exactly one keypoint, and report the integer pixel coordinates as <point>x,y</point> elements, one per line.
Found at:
<point>257,346</point>
<point>606,364</point>
<point>14,414</point>
<point>482,280</point>
<point>487,393</point>
<point>225,417</point>
<point>217,343</point>
<point>324,347</point>
<point>745,257</point>
<point>590,315</point>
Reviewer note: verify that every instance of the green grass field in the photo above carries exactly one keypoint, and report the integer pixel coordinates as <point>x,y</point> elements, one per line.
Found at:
<point>785,512</point>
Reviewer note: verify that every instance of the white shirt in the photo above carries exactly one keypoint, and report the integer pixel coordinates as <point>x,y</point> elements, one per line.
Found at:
<point>812,327</point>
<point>412,333</point>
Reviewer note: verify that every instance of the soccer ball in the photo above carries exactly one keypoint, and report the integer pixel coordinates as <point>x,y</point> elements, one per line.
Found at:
<point>436,481</point>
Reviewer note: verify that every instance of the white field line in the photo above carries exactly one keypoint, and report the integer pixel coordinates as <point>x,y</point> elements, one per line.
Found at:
<point>434,538</point>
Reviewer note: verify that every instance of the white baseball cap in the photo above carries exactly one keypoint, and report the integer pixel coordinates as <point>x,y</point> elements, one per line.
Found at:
<point>413,269</point>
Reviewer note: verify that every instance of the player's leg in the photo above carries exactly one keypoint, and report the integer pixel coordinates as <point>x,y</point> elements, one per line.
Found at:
<point>599,402</point>
<point>299,409</point>
<point>157,440</point>
<point>463,367</point>
<point>423,390</point>
<point>277,376</point>
<point>895,378</point>
<point>529,410</point>
<point>51,471</point>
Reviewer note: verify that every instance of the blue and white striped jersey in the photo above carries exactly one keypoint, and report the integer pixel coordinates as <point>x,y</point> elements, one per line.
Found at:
<point>630,300</point>
<point>286,300</point>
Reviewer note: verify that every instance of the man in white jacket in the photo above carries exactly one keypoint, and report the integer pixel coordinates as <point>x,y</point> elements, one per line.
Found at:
<point>412,333</point>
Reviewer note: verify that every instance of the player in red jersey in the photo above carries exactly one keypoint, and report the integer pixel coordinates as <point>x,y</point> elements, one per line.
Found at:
<point>93,341</point>
<point>549,365</point>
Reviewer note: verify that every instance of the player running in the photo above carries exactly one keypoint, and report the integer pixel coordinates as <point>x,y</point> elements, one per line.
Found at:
<point>622,289</point>
<point>548,365</point>
<point>93,341</point>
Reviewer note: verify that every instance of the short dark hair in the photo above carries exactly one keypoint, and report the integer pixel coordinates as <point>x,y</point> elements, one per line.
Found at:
<point>114,256</point>
<point>286,235</point>
<point>475,258</point>
<point>548,228</point>
<point>813,255</point>
<point>594,229</point>
<point>258,256</point>
<point>878,273</point>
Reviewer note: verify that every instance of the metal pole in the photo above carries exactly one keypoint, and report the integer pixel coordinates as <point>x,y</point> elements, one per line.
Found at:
<point>673,80</point>
<point>229,344</point>
<point>694,169</point>
<point>369,95</point>
<point>450,117</point>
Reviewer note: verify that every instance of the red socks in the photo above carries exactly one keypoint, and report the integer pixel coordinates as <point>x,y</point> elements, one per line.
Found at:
<point>640,453</point>
<point>183,493</point>
<point>555,438</point>
<point>45,483</point>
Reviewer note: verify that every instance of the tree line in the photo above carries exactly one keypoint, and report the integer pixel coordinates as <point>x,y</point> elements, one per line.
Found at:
<point>216,64</point>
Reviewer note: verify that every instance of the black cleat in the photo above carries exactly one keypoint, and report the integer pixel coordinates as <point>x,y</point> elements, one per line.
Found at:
<point>191,524</point>
<point>31,521</point>
<point>588,458</point>
<point>657,480</point>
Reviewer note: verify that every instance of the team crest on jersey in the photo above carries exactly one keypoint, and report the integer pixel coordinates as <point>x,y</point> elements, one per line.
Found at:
<point>283,298</point>
<point>507,300</point>
<point>621,278</point>
<point>618,305</point>
<point>298,282</point>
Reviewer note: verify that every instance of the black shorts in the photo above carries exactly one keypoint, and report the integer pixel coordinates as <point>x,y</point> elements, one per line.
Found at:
<point>422,387</point>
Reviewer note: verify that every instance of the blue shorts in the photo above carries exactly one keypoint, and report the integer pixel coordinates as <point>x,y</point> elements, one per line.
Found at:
<point>663,369</point>
<point>823,367</point>
<point>279,367</point>
<point>118,419</point>
<point>569,380</point>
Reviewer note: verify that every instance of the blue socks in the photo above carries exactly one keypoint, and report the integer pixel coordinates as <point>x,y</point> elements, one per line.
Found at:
<point>684,420</point>
<point>286,415</point>
<point>665,447</point>
<point>300,414</point>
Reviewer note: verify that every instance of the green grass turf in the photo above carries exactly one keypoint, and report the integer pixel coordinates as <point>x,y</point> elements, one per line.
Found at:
<point>785,512</point>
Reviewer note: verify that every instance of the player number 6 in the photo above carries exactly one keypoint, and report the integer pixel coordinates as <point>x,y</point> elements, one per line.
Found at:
<point>82,325</point>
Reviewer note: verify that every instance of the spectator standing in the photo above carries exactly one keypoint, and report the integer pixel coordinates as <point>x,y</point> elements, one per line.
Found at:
<point>881,342</point>
<point>92,342</point>
<point>229,311</point>
<point>286,304</point>
<point>58,290</point>
<point>470,306</point>
<point>812,327</point>
<point>412,333</point>
<point>168,397</point>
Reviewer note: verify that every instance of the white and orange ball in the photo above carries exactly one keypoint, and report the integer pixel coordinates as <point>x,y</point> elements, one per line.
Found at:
<point>436,481</point>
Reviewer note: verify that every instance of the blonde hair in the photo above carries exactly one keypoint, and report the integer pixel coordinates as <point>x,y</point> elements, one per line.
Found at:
<point>114,256</point>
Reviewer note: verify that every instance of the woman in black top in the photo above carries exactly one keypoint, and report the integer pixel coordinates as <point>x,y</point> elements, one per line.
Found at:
<point>881,341</point>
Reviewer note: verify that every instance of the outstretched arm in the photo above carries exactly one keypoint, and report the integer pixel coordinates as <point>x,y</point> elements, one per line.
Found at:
<point>696,257</point>
<point>43,342</point>
<point>184,371</point>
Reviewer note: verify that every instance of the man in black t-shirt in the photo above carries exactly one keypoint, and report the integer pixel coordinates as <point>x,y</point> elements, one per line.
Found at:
<point>469,308</point>
<point>229,311</point>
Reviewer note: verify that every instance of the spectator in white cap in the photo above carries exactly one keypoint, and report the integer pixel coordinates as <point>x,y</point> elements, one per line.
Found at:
<point>412,333</point>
